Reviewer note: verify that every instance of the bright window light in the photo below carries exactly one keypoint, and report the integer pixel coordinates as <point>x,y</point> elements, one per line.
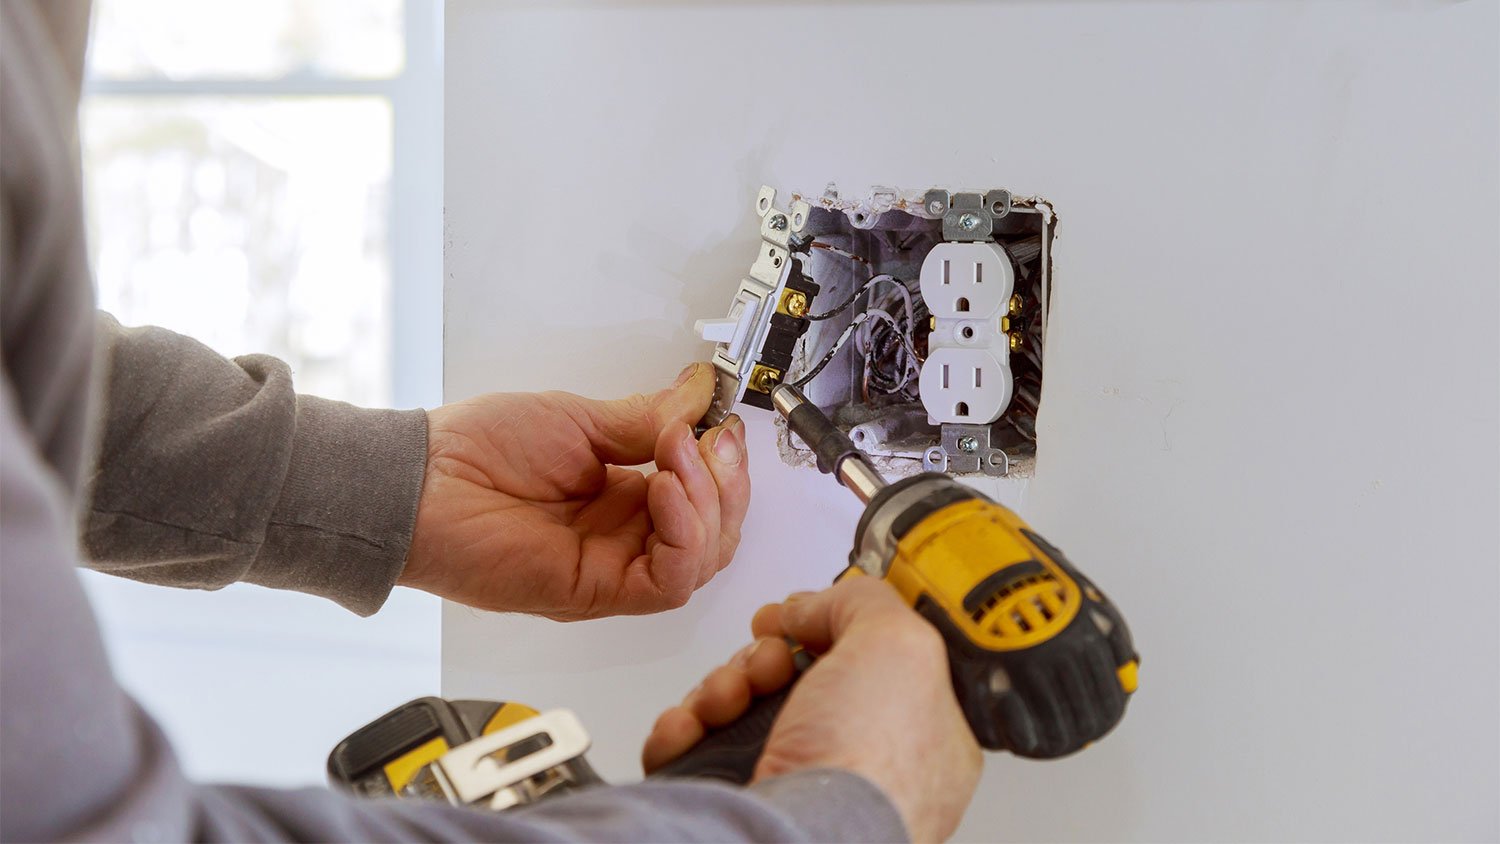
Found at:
<point>247,39</point>
<point>255,224</point>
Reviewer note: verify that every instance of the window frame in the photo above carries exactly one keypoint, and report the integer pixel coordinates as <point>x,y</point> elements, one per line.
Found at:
<point>415,211</point>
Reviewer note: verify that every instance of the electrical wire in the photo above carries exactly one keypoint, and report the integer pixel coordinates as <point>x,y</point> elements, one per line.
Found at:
<point>844,305</point>
<point>874,345</point>
<point>837,251</point>
<point>837,344</point>
<point>875,348</point>
<point>879,350</point>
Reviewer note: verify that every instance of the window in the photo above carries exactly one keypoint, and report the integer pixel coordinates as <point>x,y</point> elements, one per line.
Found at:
<point>265,176</point>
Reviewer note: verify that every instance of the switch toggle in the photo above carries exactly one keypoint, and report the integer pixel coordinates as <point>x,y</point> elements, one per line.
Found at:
<point>734,329</point>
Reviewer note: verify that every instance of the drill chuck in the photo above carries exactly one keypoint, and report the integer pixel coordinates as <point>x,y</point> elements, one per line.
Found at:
<point>835,452</point>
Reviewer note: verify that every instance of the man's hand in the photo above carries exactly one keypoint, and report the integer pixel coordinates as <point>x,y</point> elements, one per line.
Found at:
<point>525,506</point>
<point>878,701</point>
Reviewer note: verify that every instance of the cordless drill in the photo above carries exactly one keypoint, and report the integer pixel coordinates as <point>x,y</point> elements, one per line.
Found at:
<point>1042,661</point>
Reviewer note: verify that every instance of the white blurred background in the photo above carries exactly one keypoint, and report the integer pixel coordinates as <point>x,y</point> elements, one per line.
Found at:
<point>266,176</point>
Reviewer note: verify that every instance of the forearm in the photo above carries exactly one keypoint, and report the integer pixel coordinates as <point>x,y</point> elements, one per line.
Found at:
<point>212,471</point>
<point>82,762</point>
<point>831,806</point>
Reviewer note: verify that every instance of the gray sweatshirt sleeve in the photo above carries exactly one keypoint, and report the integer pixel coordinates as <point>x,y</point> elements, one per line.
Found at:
<point>212,471</point>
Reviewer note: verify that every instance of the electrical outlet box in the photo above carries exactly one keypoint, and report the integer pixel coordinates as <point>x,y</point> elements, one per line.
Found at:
<point>915,320</point>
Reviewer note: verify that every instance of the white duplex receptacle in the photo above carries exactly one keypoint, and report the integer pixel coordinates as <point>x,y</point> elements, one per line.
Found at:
<point>966,377</point>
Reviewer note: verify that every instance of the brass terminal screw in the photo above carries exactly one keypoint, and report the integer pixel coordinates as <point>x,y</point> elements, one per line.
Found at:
<point>1016,342</point>
<point>794,303</point>
<point>763,379</point>
<point>1016,304</point>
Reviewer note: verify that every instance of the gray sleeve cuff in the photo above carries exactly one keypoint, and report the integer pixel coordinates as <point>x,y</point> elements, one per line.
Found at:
<point>834,805</point>
<point>342,525</point>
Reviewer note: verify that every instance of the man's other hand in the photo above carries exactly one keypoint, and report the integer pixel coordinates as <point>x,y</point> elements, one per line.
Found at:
<point>526,506</point>
<point>878,701</point>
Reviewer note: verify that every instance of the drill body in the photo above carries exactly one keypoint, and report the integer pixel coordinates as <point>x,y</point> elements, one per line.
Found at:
<point>1042,662</point>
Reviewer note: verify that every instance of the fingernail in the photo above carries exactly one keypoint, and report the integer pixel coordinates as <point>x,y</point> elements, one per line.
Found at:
<point>735,423</point>
<point>686,375</point>
<point>727,448</point>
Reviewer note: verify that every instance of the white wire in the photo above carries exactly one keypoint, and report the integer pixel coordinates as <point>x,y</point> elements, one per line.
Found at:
<point>862,341</point>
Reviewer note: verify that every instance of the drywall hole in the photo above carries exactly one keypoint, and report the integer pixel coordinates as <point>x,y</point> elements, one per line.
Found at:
<point>919,324</point>
<point>920,375</point>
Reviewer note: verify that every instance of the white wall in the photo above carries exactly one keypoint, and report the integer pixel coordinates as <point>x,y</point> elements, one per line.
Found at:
<point>1270,424</point>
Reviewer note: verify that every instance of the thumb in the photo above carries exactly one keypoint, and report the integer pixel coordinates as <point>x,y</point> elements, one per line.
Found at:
<point>820,619</point>
<point>624,431</point>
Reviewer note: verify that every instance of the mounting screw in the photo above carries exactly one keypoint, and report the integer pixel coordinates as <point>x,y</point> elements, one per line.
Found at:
<point>778,222</point>
<point>968,222</point>
<point>968,445</point>
<point>935,207</point>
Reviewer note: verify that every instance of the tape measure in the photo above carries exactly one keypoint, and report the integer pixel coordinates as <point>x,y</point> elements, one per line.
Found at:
<point>468,752</point>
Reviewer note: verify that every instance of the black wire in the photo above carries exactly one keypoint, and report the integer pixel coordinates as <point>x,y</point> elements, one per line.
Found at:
<point>889,341</point>
<point>837,344</point>
<point>846,303</point>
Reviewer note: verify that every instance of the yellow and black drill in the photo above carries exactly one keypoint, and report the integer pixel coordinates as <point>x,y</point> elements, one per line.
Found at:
<point>1042,661</point>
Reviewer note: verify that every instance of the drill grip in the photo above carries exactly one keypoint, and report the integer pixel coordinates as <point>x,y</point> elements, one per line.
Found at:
<point>731,753</point>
